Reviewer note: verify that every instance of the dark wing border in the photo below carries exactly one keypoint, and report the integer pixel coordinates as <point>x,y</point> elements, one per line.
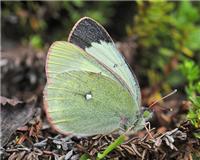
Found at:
<point>86,31</point>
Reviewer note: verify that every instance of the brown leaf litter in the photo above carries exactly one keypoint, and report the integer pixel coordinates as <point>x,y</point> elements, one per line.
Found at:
<point>14,114</point>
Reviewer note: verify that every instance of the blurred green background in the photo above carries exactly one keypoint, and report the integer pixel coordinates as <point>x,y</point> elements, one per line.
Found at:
<point>166,36</point>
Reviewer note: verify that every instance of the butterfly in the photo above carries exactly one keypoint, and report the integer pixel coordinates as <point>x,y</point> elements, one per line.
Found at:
<point>90,88</point>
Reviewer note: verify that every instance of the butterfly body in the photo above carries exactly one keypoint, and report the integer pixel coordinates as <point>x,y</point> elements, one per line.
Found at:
<point>90,89</point>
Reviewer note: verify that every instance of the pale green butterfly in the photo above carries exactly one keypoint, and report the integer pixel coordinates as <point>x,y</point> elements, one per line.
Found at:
<point>90,89</point>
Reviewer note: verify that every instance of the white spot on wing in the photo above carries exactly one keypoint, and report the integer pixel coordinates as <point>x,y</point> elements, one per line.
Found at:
<point>88,96</point>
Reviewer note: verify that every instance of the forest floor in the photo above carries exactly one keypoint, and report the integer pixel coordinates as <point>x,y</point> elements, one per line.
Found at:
<point>27,135</point>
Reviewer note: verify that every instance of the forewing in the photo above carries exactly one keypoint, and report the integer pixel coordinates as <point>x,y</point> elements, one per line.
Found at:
<point>64,57</point>
<point>86,103</point>
<point>93,38</point>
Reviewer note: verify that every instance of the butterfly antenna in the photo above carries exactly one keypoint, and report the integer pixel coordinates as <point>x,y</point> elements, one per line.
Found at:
<point>173,92</point>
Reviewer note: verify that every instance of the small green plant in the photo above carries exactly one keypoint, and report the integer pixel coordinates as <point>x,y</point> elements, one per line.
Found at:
<point>36,41</point>
<point>111,147</point>
<point>166,31</point>
<point>192,73</point>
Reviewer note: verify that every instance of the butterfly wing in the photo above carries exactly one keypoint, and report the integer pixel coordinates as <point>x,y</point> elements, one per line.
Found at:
<point>81,96</point>
<point>65,57</point>
<point>93,38</point>
<point>71,111</point>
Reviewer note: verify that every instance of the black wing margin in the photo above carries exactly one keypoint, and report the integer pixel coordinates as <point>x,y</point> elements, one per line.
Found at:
<point>86,31</point>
